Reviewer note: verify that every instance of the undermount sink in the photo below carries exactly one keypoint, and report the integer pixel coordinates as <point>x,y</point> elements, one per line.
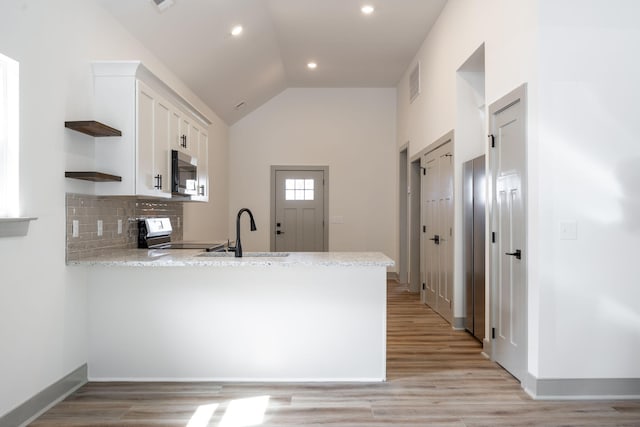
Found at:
<point>245,255</point>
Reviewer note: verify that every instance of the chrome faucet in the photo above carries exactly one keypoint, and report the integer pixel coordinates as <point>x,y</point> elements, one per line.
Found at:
<point>238,248</point>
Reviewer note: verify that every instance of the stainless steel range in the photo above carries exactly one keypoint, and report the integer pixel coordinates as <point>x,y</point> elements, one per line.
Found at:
<point>155,233</point>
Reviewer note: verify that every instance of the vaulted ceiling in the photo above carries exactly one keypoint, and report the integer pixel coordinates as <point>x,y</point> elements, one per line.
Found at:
<point>279,38</point>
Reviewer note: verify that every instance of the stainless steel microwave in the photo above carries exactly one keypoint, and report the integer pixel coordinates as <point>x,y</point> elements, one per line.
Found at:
<point>184,174</point>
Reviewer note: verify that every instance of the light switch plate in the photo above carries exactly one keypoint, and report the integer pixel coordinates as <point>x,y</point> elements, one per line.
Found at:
<point>75,228</point>
<point>119,226</point>
<point>569,230</point>
<point>99,227</point>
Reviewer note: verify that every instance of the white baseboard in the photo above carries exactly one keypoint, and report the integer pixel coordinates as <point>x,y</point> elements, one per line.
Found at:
<point>45,399</point>
<point>582,388</point>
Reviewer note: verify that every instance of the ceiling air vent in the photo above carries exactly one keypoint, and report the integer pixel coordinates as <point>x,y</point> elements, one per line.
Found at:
<point>414,82</point>
<point>163,4</point>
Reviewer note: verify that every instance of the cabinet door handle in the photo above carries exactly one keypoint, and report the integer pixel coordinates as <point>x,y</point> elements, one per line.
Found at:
<point>158,184</point>
<point>183,138</point>
<point>201,191</point>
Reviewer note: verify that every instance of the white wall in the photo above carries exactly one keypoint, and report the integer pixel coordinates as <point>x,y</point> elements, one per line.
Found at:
<point>208,221</point>
<point>42,302</point>
<point>350,130</point>
<point>590,173</point>
<point>578,60</point>
<point>508,29</point>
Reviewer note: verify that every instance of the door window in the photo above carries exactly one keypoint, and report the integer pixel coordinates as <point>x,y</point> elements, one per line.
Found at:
<point>298,189</point>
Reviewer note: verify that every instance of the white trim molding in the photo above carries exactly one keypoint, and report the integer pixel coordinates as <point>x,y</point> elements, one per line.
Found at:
<point>582,388</point>
<point>45,399</point>
<point>15,227</point>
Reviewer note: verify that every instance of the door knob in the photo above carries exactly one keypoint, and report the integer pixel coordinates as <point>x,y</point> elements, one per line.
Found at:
<point>436,239</point>
<point>517,254</point>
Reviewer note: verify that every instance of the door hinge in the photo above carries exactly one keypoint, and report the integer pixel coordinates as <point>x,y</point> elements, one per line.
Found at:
<point>493,237</point>
<point>493,141</point>
<point>424,228</point>
<point>424,286</point>
<point>493,333</point>
<point>424,170</point>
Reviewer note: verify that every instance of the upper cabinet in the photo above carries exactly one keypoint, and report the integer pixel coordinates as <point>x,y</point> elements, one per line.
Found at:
<point>201,140</point>
<point>154,120</point>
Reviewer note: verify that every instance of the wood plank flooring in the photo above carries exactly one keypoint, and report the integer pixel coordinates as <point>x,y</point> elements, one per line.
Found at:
<point>436,377</point>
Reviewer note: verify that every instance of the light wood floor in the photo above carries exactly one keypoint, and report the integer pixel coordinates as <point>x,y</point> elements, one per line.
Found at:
<point>436,376</point>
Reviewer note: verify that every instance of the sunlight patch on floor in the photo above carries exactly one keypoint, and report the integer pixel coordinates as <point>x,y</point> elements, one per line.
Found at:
<point>203,414</point>
<point>245,412</point>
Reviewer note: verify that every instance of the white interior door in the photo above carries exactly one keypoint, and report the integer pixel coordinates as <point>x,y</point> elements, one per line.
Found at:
<point>299,211</point>
<point>430,237</point>
<point>444,297</point>
<point>438,229</point>
<point>508,252</point>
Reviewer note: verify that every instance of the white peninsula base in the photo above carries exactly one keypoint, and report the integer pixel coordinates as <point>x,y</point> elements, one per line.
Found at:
<point>231,323</point>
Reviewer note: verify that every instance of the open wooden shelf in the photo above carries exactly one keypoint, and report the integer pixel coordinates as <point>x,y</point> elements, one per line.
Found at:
<point>92,128</point>
<point>93,176</point>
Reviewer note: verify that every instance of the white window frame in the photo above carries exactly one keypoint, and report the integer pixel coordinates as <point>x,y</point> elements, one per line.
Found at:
<point>9,138</point>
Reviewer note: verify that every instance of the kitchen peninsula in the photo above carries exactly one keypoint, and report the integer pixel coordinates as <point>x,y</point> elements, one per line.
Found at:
<point>175,315</point>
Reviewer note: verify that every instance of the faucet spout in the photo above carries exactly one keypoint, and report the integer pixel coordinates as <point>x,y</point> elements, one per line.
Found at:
<point>238,249</point>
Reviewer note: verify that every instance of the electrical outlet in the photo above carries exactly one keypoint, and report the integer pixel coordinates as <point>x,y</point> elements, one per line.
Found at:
<point>119,226</point>
<point>99,227</point>
<point>569,230</point>
<point>75,228</point>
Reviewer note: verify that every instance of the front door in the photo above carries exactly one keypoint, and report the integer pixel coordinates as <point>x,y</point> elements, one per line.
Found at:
<point>508,252</point>
<point>299,211</point>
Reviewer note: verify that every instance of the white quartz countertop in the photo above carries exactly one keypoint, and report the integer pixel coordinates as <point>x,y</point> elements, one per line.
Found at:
<point>198,258</point>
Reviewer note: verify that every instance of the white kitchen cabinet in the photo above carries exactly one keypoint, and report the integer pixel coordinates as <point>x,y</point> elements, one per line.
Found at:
<point>153,113</point>
<point>161,170</point>
<point>203,165</point>
<point>153,119</point>
<point>183,140</point>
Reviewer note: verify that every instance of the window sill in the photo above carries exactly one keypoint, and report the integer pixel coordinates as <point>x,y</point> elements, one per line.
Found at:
<point>15,226</point>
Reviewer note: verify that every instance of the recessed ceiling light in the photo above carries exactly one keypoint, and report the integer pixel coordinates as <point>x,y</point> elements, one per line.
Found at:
<point>312,65</point>
<point>237,30</point>
<point>367,9</point>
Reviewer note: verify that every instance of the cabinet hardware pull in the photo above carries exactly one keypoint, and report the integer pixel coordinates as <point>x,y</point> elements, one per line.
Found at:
<point>158,184</point>
<point>201,191</point>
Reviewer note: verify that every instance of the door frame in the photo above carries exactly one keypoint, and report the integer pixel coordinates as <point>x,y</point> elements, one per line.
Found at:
<point>403,214</point>
<point>415,224</point>
<point>517,95</point>
<point>325,202</point>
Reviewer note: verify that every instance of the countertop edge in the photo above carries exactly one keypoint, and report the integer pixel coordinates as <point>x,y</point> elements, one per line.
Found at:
<point>187,258</point>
